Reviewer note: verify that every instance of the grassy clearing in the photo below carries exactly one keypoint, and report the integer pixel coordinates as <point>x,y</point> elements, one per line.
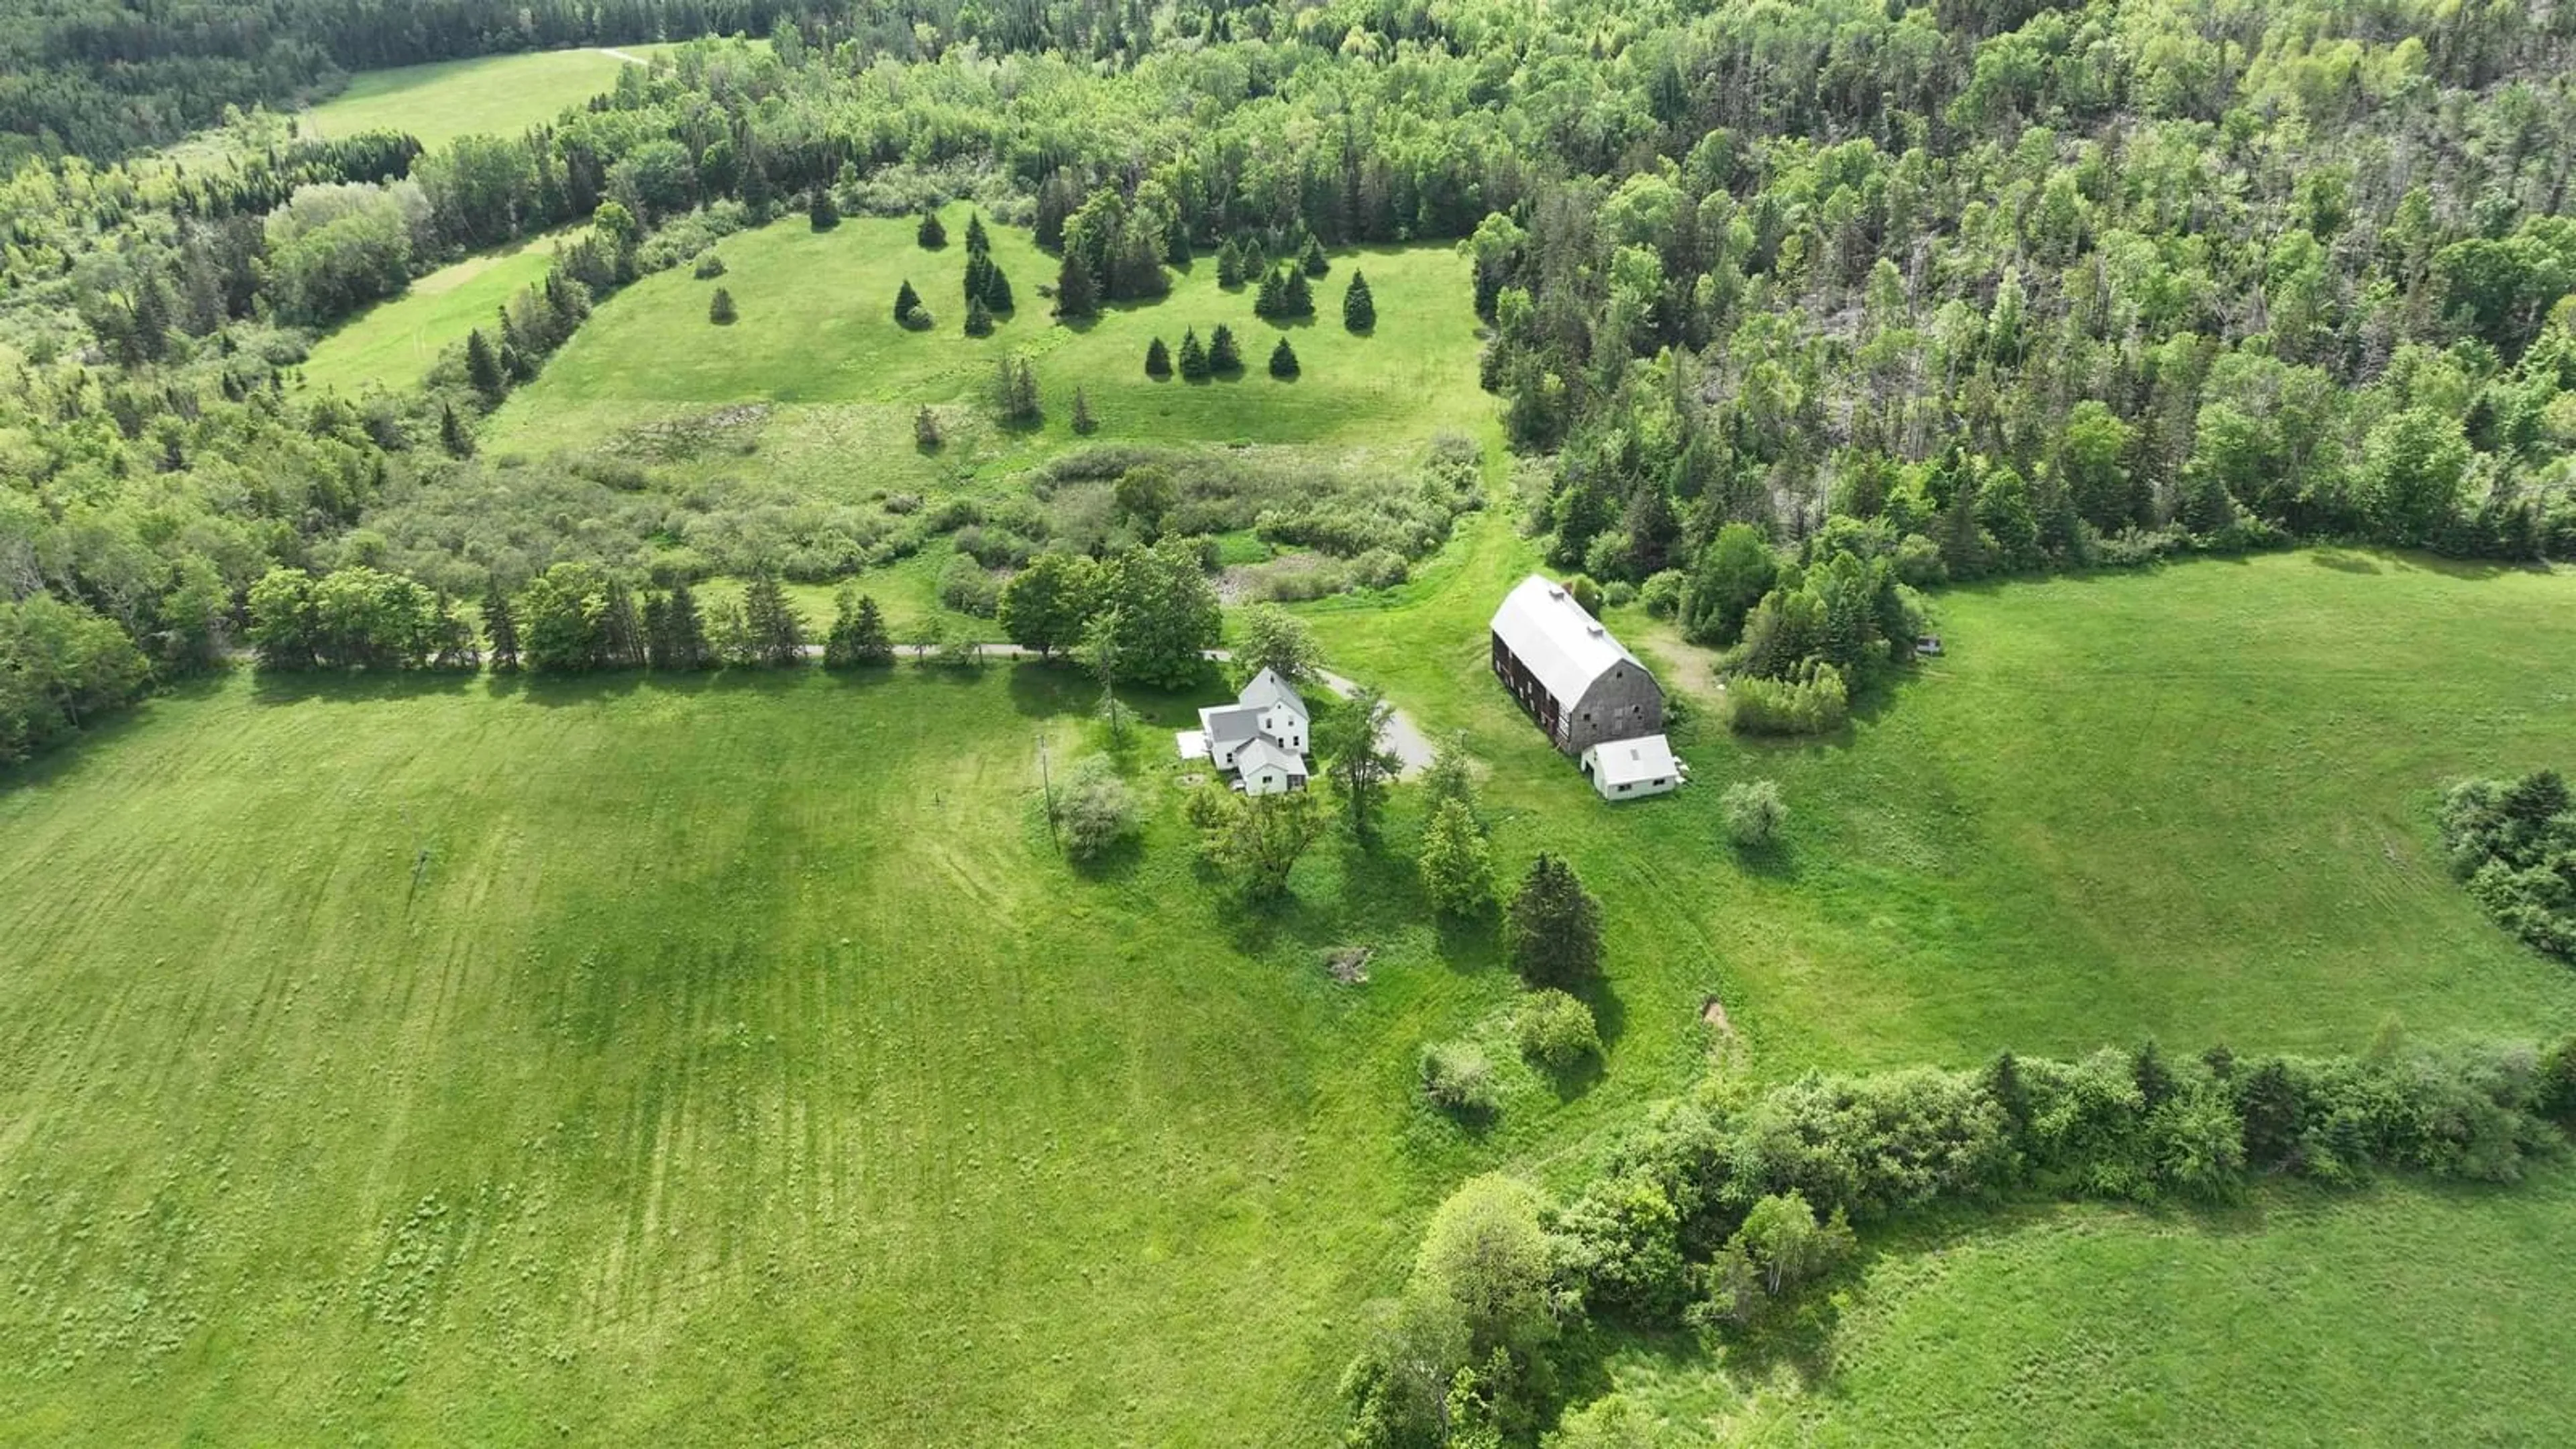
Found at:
<point>818,339</point>
<point>2195,802</point>
<point>2410,1315</point>
<point>492,95</point>
<point>757,1013</point>
<point>394,343</point>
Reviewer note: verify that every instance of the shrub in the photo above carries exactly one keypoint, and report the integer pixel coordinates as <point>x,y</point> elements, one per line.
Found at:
<point>1457,871</point>
<point>1095,809</point>
<point>1585,593</point>
<point>919,319</point>
<point>709,267</point>
<point>1283,361</point>
<point>1556,1031</point>
<point>1158,360</point>
<point>1458,1079</point>
<point>931,234</point>
<point>1814,705</point>
<point>979,318</point>
<point>925,432</point>
<point>965,586</point>
<point>720,308</point>
<point>1753,811</point>
<point>1661,593</point>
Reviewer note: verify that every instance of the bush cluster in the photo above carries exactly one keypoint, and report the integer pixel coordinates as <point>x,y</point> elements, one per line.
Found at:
<point>2514,842</point>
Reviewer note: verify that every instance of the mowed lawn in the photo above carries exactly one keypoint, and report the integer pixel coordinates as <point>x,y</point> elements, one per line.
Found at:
<point>722,1061</point>
<point>2195,802</point>
<point>492,95</point>
<point>395,343</point>
<point>817,333</point>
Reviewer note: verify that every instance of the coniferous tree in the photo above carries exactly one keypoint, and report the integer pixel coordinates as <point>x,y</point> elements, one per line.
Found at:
<point>1194,358</point>
<point>1297,299</point>
<point>821,212</point>
<point>657,630</point>
<point>720,308</point>
<point>1176,242</point>
<point>500,630</point>
<point>1223,358</point>
<point>1158,360</point>
<point>1077,294</point>
<point>1271,298</point>
<point>977,243</point>
<point>979,318</point>
<point>453,435</point>
<point>925,428</point>
<point>1359,309</point>
<point>979,273</point>
<point>1083,422</point>
<point>621,629</point>
<point>1229,266</point>
<point>688,629</point>
<point>997,290</point>
<point>931,234</point>
<point>483,367</point>
<point>905,299</point>
<point>842,646</point>
<point>1283,361</point>
<point>1314,263</point>
<point>872,642</point>
<point>1554,927</point>
<point>777,632</point>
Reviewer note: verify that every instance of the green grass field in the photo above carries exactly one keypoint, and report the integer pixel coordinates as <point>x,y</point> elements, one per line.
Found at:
<point>740,1061</point>
<point>394,343</point>
<point>818,341</point>
<point>492,95</point>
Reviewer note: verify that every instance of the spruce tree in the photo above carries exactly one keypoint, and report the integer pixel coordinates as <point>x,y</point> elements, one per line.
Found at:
<point>1297,298</point>
<point>483,367</point>
<point>1176,243</point>
<point>657,631</point>
<point>977,243</point>
<point>452,434</point>
<point>930,233</point>
<point>1158,360</point>
<point>1223,358</point>
<point>500,630</point>
<point>925,428</point>
<point>872,642</point>
<point>720,308</point>
<point>1229,266</point>
<point>1359,309</point>
<point>688,629</point>
<point>1314,262</point>
<point>622,629</point>
<point>1268,303</point>
<point>1083,422</point>
<point>1554,927</point>
<point>905,299</point>
<point>1077,294</point>
<point>1283,361</point>
<point>1194,358</point>
<point>979,318</point>
<point>777,632</point>
<point>820,212</point>
<point>979,274</point>
<point>997,291</point>
<point>841,645</point>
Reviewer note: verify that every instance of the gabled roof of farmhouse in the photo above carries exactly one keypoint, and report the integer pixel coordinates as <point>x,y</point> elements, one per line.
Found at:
<point>1556,639</point>
<point>1267,751</point>
<point>1267,689</point>
<point>1632,762</point>
<point>1229,722</point>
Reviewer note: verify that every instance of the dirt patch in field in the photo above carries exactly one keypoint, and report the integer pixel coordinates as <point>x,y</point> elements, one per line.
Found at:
<point>1712,1012</point>
<point>1349,964</point>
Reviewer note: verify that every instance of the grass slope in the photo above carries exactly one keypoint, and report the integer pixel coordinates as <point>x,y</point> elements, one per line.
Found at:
<point>492,95</point>
<point>741,1064</point>
<point>394,343</point>
<point>2195,802</point>
<point>817,335</point>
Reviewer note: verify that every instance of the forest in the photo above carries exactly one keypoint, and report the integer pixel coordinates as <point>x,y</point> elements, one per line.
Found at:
<point>1907,296</point>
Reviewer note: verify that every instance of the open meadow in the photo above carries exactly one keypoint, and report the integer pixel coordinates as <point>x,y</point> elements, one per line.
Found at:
<point>394,343</point>
<point>491,95</point>
<point>414,1059</point>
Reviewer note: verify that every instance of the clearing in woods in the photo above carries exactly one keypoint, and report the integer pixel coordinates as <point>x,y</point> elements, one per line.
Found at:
<point>395,343</point>
<point>491,95</point>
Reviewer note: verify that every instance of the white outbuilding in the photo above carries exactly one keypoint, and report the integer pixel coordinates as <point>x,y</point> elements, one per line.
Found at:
<point>1265,767</point>
<point>1627,769</point>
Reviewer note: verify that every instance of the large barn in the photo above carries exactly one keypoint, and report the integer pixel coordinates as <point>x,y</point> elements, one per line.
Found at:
<point>1580,684</point>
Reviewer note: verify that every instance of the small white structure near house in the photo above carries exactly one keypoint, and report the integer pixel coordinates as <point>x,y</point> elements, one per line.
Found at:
<point>1265,768</point>
<point>1261,737</point>
<point>1626,769</point>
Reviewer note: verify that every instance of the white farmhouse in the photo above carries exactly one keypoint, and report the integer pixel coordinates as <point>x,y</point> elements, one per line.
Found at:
<point>1260,738</point>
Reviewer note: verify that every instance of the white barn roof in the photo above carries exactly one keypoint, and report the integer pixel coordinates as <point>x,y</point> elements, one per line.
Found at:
<point>1632,762</point>
<point>1560,643</point>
